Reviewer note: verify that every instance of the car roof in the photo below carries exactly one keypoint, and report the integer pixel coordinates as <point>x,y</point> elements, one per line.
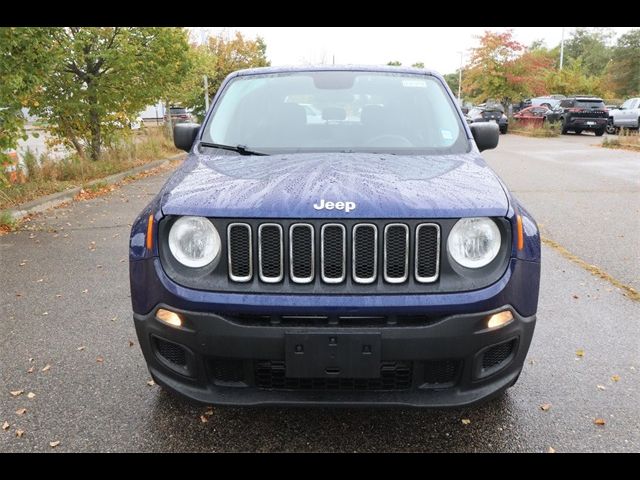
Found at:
<point>334,68</point>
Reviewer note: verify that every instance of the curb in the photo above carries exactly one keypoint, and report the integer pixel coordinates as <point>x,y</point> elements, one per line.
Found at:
<point>49,201</point>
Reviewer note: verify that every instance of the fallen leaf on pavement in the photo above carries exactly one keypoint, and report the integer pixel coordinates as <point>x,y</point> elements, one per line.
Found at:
<point>599,421</point>
<point>30,359</point>
<point>22,264</point>
<point>15,393</point>
<point>45,313</point>
<point>615,378</point>
<point>54,444</point>
<point>575,296</point>
<point>5,426</point>
<point>99,359</point>
<point>131,344</point>
<point>46,367</point>
<point>19,433</point>
<point>31,369</point>
<point>40,280</point>
<point>81,348</point>
<point>551,450</point>
<point>545,406</point>
<point>580,353</point>
<point>151,383</point>
<point>86,290</point>
<point>21,411</point>
<point>203,419</point>
<point>466,421</point>
<point>601,387</point>
<point>31,395</point>
<point>209,412</point>
<point>58,295</point>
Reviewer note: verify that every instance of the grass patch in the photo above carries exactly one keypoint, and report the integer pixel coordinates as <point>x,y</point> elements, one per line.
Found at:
<point>546,130</point>
<point>7,222</point>
<point>627,140</point>
<point>44,176</point>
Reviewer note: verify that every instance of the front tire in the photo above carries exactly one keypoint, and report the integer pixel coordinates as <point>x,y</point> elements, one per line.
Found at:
<point>564,126</point>
<point>611,129</point>
<point>599,132</point>
<point>503,130</point>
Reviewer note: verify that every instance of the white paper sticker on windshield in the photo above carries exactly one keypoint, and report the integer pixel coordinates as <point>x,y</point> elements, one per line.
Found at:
<point>446,134</point>
<point>414,83</point>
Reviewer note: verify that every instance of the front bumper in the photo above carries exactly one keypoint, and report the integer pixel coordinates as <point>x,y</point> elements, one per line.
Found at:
<point>228,353</point>
<point>444,363</point>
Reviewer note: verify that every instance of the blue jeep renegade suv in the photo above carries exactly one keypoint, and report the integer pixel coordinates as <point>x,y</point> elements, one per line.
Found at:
<point>335,238</point>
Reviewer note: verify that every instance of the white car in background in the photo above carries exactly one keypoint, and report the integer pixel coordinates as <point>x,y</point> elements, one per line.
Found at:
<point>627,116</point>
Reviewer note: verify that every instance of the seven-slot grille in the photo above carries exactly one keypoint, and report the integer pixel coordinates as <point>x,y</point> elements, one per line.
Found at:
<point>331,252</point>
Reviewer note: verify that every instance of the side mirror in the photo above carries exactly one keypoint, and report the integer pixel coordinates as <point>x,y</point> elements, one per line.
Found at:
<point>184,134</point>
<point>486,135</point>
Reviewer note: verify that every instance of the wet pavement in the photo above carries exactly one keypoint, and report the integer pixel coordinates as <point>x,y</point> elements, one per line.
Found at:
<point>65,303</point>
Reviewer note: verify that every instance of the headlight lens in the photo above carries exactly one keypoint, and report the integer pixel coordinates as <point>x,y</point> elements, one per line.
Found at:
<point>194,241</point>
<point>474,242</point>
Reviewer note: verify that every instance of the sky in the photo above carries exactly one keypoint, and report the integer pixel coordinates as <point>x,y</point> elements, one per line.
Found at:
<point>437,47</point>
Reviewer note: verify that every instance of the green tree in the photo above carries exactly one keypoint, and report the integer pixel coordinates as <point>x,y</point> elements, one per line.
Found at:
<point>104,76</point>
<point>623,73</point>
<point>418,65</point>
<point>25,60</point>
<point>452,80</point>
<point>221,56</point>
<point>394,63</point>
<point>573,80</point>
<point>591,46</point>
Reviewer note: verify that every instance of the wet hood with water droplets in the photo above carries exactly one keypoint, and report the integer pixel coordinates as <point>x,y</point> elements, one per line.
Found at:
<point>381,186</point>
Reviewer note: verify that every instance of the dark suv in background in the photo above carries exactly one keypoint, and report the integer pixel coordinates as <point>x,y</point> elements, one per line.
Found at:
<point>583,113</point>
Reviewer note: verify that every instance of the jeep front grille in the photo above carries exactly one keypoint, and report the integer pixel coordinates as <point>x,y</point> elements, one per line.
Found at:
<point>330,252</point>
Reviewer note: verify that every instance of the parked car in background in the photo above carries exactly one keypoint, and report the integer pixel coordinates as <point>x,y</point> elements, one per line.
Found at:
<point>583,113</point>
<point>549,101</point>
<point>627,116</point>
<point>490,112</point>
<point>178,115</point>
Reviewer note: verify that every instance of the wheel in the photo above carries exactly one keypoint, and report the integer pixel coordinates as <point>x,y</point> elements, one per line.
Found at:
<point>600,131</point>
<point>611,129</point>
<point>578,131</point>
<point>503,130</point>
<point>564,126</point>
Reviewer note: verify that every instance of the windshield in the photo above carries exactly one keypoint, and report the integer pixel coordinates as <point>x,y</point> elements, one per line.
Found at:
<point>344,111</point>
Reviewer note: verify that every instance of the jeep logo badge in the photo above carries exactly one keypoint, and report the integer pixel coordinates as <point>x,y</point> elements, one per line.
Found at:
<point>346,206</point>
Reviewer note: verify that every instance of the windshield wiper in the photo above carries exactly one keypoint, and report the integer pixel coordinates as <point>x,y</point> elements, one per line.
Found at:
<point>241,149</point>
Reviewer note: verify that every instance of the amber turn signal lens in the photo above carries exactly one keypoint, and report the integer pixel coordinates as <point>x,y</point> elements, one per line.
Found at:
<point>150,233</point>
<point>499,319</point>
<point>169,317</point>
<point>520,233</point>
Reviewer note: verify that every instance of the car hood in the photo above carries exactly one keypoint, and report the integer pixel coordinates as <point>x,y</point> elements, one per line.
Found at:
<point>380,186</point>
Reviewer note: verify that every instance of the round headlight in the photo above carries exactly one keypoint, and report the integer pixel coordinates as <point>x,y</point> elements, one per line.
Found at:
<point>194,241</point>
<point>474,242</point>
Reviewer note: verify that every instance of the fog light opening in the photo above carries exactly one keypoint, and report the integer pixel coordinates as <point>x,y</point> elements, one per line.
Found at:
<point>168,317</point>
<point>500,319</point>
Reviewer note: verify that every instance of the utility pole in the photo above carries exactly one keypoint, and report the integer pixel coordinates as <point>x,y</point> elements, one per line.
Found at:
<point>460,77</point>
<point>562,49</point>
<point>205,79</point>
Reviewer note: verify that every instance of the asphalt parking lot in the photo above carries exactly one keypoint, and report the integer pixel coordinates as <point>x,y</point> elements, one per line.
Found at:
<point>65,304</point>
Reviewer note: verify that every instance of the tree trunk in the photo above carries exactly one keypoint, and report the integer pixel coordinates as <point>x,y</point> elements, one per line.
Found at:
<point>72,138</point>
<point>94,125</point>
